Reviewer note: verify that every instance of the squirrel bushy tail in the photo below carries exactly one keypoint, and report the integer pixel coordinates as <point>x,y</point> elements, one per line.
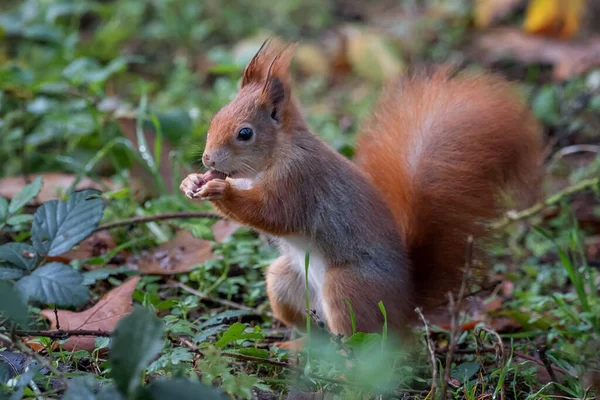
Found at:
<point>443,150</point>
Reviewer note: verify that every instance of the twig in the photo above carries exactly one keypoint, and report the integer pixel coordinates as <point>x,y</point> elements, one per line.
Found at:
<point>542,352</point>
<point>550,201</point>
<point>60,334</point>
<point>455,308</point>
<point>157,217</point>
<point>26,350</point>
<point>223,302</point>
<point>430,347</point>
<point>498,348</point>
<point>56,318</point>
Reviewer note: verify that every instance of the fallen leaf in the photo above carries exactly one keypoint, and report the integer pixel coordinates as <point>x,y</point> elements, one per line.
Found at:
<point>104,316</point>
<point>569,58</point>
<point>176,256</point>
<point>556,18</point>
<point>224,229</point>
<point>55,185</point>
<point>489,12</point>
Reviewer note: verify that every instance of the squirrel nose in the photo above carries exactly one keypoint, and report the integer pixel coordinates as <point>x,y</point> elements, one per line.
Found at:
<point>207,162</point>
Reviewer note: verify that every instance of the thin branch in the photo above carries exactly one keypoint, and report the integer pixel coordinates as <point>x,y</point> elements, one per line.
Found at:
<point>549,202</point>
<point>223,302</point>
<point>26,350</point>
<point>430,347</point>
<point>455,308</point>
<point>61,334</point>
<point>157,217</point>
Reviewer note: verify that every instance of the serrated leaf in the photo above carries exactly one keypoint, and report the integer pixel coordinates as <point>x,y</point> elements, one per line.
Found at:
<point>55,283</point>
<point>236,332</point>
<point>10,272</point>
<point>3,208</point>
<point>19,219</point>
<point>26,194</point>
<point>12,305</point>
<point>183,389</point>
<point>20,255</point>
<point>137,339</point>
<point>60,225</point>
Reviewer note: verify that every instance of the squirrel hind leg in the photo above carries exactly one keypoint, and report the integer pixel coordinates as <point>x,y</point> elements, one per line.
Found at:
<point>343,284</point>
<point>287,292</point>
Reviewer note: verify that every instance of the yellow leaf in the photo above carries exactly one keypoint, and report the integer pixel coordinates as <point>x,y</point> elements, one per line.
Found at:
<point>558,18</point>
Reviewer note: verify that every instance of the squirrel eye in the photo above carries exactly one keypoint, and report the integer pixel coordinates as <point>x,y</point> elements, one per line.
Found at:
<point>245,134</point>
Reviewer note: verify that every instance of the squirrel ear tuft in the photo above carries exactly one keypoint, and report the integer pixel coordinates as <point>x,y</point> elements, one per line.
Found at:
<point>274,95</point>
<point>271,60</point>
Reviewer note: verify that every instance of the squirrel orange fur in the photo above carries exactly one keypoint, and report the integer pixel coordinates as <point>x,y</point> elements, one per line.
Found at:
<point>430,169</point>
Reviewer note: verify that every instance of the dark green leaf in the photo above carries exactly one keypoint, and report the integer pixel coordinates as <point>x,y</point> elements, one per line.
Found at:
<point>23,381</point>
<point>183,389</point>
<point>3,208</point>
<point>19,219</point>
<point>213,330</point>
<point>60,225</point>
<point>236,332</point>
<point>6,372</point>
<point>251,351</point>
<point>55,283</point>
<point>9,272</point>
<point>463,372</point>
<point>223,317</point>
<point>12,305</point>
<point>136,341</point>
<point>20,255</point>
<point>26,194</point>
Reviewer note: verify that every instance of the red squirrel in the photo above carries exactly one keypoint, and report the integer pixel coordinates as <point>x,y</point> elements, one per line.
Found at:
<point>431,166</point>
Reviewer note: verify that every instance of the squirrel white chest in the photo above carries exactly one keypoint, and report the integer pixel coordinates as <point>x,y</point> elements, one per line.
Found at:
<point>296,247</point>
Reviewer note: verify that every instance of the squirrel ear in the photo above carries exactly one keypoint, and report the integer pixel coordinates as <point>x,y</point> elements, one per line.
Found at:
<point>256,69</point>
<point>274,94</point>
<point>271,60</point>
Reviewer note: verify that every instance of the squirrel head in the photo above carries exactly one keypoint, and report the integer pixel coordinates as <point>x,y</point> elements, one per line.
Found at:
<point>246,135</point>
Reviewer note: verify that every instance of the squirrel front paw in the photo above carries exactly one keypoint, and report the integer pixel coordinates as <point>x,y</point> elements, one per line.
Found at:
<point>193,183</point>
<point>213,190</point>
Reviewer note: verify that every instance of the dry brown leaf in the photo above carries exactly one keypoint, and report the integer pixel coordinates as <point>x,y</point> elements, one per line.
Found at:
<point>489,12</point>
<point>95,245</point>
<point>103,316</point>
<point>556,18</point>
<point>55,185</point>
<point>177,256</point>
<point>569,58</point>
<point>224,229</point>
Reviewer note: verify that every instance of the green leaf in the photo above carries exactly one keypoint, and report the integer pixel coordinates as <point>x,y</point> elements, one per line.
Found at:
<point>26,194</point>
<point>55,283</point>
<point>363,341</point>
<point>251,351</point>
<point>213,330</point>
<point>20,255</point>
<point>465,371</point>
<point>19,219</point>
<point>6,373</point>
<point>3,209</point>
<point>12,305</point>
<point>60,225</point>
<point>223,317</point>
<point>236,332</point>
<point>183,389</point>
<point>84,387</point>
<point>138,338</point>
<point>9,272</point>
